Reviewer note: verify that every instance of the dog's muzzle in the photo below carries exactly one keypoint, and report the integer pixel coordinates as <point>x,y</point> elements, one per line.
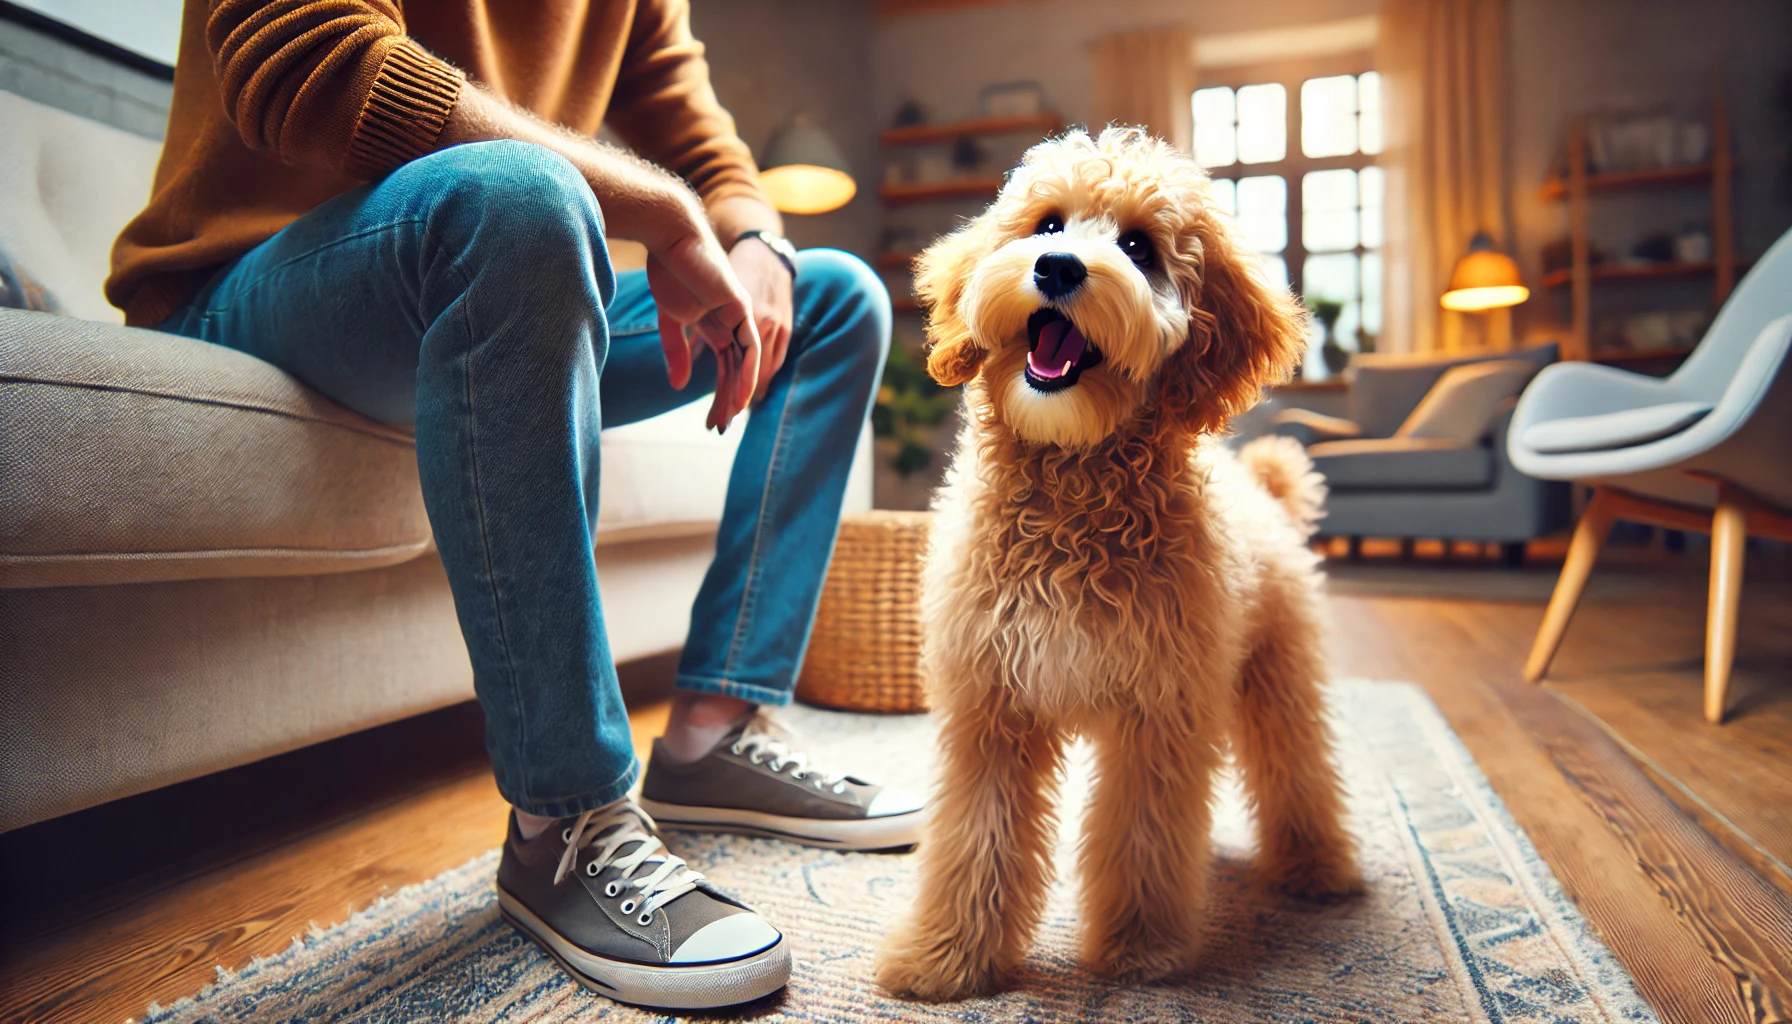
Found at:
<point>1057,352</point>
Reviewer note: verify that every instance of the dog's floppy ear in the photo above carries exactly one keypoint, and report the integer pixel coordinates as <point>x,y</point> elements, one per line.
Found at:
<point>940,277</point>
<point>1245,334</point>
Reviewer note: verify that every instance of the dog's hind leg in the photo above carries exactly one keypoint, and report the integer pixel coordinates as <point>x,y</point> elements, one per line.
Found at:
<point>1145,859</point>
<point>1285,752</point>
<point>986,859</point>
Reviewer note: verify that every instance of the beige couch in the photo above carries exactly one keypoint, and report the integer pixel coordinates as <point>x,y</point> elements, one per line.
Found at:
<point>202,561</point>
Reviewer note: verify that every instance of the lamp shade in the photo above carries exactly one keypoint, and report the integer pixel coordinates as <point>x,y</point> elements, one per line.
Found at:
<point>1484,279</point>
<point>804,172</point>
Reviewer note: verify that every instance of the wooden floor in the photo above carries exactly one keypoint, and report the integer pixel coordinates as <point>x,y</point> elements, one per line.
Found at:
<point>1674,836</point>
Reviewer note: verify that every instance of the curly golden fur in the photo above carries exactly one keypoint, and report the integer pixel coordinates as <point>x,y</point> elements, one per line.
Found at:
<point>1103,566</point>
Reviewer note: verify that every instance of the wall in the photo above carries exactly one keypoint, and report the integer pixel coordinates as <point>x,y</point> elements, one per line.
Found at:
<point>1624,55</point>
<point>772,58</point>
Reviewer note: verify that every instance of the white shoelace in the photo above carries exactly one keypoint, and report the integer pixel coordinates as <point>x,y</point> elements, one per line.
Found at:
<point>763,736</point>
<point>608,831</point>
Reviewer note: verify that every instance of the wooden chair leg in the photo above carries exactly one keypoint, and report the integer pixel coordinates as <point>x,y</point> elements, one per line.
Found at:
<point>1729,540</point>
<point>1589,536</point>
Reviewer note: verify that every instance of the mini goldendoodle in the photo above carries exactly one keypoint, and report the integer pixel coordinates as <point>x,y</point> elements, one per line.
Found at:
<point>1103,566</point>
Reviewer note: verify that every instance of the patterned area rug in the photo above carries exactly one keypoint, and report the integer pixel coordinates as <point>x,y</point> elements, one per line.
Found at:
<point>1463,922</point>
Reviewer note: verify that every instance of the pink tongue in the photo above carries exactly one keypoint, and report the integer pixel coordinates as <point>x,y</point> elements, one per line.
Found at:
<point>1060,346</point>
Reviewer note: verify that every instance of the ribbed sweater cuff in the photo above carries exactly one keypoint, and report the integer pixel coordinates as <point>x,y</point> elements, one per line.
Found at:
<point>406,109</point>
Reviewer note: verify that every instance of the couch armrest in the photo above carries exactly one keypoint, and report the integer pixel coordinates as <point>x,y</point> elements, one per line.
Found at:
<point>1310,428</point>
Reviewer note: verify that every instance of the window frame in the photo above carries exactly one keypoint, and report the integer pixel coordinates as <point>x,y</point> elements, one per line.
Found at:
<point>1295,164</point>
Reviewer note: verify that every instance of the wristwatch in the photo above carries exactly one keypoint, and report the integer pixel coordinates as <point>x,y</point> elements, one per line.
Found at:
<point>778,244</point>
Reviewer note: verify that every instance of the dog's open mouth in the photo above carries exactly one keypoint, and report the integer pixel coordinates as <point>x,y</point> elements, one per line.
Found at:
<point>1058,353</point>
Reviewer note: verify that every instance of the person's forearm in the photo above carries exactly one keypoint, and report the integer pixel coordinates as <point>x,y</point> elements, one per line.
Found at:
<point>639,201</point>
<point>736,215</point>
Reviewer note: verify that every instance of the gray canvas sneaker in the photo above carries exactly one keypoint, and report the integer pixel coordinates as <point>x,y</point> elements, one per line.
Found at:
<point>753,782</point>
<point>604,897</point>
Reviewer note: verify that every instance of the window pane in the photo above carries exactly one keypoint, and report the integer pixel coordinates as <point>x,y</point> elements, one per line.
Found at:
<point>1373,182</point>
<point>1263,212</point>
<point>1225,195</point>
<point>1275,269</point>
<point>1330,276</point>
<point>1328,116</point>
<point>1328,210</point>
<point>1369,100</point>
<point>1262,123</point>
<point>1372,293</point>
<point>1216,138</point>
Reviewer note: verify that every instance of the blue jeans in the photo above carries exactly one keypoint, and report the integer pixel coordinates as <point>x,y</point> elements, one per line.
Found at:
<point>470,292</point>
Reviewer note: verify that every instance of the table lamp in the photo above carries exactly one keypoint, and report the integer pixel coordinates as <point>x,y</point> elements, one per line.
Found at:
<point>804,172</point>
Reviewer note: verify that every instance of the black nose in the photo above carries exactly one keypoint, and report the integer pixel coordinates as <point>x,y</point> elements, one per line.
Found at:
<point>1057,274</point>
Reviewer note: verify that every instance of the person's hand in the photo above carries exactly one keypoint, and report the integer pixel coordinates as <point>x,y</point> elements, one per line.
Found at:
<point>701,300</point>
<point>768,285</point>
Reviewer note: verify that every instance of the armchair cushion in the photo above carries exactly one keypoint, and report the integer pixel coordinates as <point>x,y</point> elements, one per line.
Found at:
<point>1620,429</point>
<point>1462,405</point>
<point>1403,464</point>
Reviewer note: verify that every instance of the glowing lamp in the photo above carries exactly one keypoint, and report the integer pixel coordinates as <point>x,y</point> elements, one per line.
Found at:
<point>1484,279</point>
<point>804,172</point>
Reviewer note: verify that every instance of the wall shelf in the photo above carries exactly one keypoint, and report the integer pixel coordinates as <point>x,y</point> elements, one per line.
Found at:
<point>1564,276</point>
<point>1618,181</point>
<point>1642,356</point>
<point>923,134</point>
<point>958,188</point>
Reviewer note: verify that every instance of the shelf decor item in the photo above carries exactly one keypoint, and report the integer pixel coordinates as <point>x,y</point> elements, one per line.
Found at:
<point>1013,99</point>
<point>803,171</point>
<point>865,653</point>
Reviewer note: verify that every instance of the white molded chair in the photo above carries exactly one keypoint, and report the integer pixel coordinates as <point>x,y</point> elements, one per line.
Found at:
<point>1705,449</point>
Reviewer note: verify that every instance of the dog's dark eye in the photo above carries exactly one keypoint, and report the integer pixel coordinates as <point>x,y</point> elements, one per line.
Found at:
<point>1137,247</point>
<point>1051,225</point>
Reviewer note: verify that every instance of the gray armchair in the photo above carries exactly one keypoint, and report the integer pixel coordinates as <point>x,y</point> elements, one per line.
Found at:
<point>1421,452</point>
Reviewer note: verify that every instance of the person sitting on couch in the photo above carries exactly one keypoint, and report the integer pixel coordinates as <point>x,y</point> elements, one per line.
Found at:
<point>407,210</point>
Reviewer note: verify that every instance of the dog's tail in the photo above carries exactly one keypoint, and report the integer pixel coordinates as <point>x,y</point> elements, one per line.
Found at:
<point>1281,465</point>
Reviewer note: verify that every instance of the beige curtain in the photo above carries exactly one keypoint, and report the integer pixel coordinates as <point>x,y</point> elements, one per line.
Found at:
<point>1146,78</point>
<point>1443,71</point>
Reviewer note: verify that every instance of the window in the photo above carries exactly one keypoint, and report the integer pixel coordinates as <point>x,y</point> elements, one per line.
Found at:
<point>1292,154</point>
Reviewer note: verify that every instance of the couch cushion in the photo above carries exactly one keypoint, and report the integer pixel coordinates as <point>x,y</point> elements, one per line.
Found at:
<point>67,187</point>
<point>1620,429</point>
<point>664,477</point>
<point>134,456</point>
<point>1462,405</point>
<point>1403,464</point>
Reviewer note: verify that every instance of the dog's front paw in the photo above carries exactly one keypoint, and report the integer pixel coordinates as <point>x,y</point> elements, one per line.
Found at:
<point>937,970</point>
<point>1321,879</point>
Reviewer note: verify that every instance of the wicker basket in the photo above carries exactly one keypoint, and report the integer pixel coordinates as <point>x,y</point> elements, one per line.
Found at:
<point>865,652</point>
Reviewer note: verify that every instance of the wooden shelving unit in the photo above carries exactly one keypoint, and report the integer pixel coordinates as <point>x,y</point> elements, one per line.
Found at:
<point>1580,183</point>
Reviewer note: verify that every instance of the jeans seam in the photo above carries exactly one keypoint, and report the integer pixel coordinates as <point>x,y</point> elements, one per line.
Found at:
<point>733,687</point>
<point>744,618</point>
<point>485,544</point>
<point>334,243</point>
